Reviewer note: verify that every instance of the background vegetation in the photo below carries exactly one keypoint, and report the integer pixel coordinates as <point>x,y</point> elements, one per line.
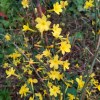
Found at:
<point>28,53</point>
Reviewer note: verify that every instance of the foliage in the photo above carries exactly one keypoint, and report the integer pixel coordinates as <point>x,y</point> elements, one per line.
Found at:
<point>45,49</point>
<point>5,94</point>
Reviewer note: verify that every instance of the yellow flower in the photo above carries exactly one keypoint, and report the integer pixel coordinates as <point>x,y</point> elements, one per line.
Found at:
<point>15,55</point>
<point>10,72</point>
<point>31,81</point>
<point>88,4</point>
<point>93,22</point>
<point>63,4</point>
<point>16,62</point>
<point>92,75</point>
<point>5,65</point>
<point>26,39</point>
<point>66,65</point>
<point>77,65</point>
<point>67,38</point>
<point>88,92</point>
<point>71,97</point>
<point>31,61</point>
<point>51,46</point>
<point>39,56</point>
<point>69,83</point>
<point>56,31</point>
<point>24,69</point>
<point>65,47</point>
<point>26,28</point>
<point>49,84</point>
<point>57,8</point>
<point>54,63</point>
<point>40,69</point>
<point>7,37</point>
<point>31,98</point>
<point>27,65</point>
<point>46,53</point>
<point>39,95</point>
<point>54,90</point>
<point>23,90</point>
<point>94,82</point>
<point>29,72</point>
<point>44,92</point>
<point>48,16</point>
<point>42,24</point>
<point>55,75</point>
<point>35,10</point>
<point>28,55</point>
<point>98,31</point>
<point>80,82</point>
<point>25,3</point>
<point>98,87</point>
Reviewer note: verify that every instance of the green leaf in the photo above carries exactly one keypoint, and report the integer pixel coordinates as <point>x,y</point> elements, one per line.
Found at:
<point>1,55</point>
<point>5,23</point>
<point>10,49</point>
<point>71,38</point>
<point>5,94</point>
<point>79,4</point>
<point>1,58</point>
<point>80,8</point>
<point>79,35</point>
<point>72,91</point>
<point>1,98</point>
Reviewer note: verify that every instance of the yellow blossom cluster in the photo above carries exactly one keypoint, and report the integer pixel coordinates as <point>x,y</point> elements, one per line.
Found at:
<point>42,64</point>
<point>25,3</point>
<point>89,4</point>
<point>57,7</point>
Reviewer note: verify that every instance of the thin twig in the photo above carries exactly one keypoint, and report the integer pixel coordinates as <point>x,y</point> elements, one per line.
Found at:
<point>39,9</point>
<point>92,54</point>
